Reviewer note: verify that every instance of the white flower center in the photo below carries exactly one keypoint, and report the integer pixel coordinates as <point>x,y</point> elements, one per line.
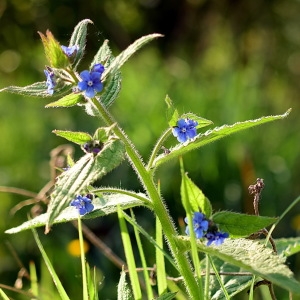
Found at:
<point>90,83</point>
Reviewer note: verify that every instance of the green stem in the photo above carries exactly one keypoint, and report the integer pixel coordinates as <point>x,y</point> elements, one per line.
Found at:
<point>158,205</point>
<point>83,266</point>
<point>146,201</point>
<point>157,148</point>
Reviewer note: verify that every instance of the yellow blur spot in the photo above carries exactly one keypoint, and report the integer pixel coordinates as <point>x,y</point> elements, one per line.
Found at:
<point>296,223</point>
<point>74,247</point>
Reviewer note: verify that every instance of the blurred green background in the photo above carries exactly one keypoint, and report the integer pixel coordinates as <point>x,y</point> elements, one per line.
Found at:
<point>226,61</point>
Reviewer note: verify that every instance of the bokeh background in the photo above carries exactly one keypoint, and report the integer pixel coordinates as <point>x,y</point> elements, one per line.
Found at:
<point>226,61</point>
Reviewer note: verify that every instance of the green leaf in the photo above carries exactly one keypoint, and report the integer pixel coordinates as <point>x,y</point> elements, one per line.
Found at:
<point>214,135</point>
<point>127,53</point>
<point>77,137</point>
<point>124,291</point>
<point>288,246</point>
<point>103,205</point>
<point>53,51</point>
<point>172,113</point>
<point>103,134</point>
<point>233,283</point>
<point>3,295</point>
<point>128,249</point>
<point>167,296</point>
<point>37,89</point>
<point>67,101</point>
<point>196,198</point>
<point>103,56</point>
<point>252,256</point>
<point>50,267</point>
<point>112,84</point>
<point>79,38</point>
<point>201,121</point>
<point>88,169</point>
<point>241,225</point>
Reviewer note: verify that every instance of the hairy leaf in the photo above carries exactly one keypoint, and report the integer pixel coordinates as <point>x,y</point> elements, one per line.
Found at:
<point>103,205</point>
<point>67,101</point>
<point>79,38</point>
<point>77,137</point>
<point>124,291</point>
<point>37,89</point>
<point>127,53</point>
<point>214,135</point>
<point>234,278</point>
<point>288,246</point>
<point>252,256</point>
<point>53,51</point>
<point>196,198</point>
<point>89,168</point>
<point>241,225</point>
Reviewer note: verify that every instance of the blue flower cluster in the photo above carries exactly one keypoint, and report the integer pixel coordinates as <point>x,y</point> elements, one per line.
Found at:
<point>185,130</point>
<point>83,204</point>
<point>91,80</point>
<point>204,228</point>
<point>50,81</point>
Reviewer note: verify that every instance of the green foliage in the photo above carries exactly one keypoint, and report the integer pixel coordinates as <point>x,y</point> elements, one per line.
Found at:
<point>50,267</point>
<point>75,137</point>
<point>196,198</point>
<point>253,257</point>
<point>214,135</point>
<point>104,204</point>
<point>88,169</point>
<point>79,38</point>
<point>67,101</point>
<point>53,51</point>
<point>241,225</point>
<point>124,292</point>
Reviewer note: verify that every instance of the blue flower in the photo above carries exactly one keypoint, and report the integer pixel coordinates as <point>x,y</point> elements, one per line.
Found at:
<point>200,225</point>
<point>185,130</point>
<point>51,83</point>
<point>83,204</point>
<point>70,51</point>
<point>91,81</point>
<point>217,237</point>
<point>98,68</point>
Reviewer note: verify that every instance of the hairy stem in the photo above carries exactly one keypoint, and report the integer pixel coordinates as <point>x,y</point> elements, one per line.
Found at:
<point>158,205</point>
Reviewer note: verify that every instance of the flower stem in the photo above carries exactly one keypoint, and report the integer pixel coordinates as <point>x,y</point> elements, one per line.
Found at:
<point>83,266</point>
<point>158,205</point>
<point>157,147</point>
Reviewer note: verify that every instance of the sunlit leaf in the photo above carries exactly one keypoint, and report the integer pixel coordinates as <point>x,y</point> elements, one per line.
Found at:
<point>214,135</point>
<point>233,282</point>
<point>124,291</point>
<point>196,198</point>
<point>53,51</point>
<point>67,101</point>
<point>79,38</point>
<point>127,53</point>
<point>252,256</point>
<point>89,168</point>
<point>103,205</point>
<point>77,137</point>
<point>37,89</point>
<point>288,246</point>
<point>241,225</point>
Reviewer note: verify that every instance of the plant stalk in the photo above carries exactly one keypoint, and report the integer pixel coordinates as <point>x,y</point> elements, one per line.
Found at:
<point>158,205</point>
